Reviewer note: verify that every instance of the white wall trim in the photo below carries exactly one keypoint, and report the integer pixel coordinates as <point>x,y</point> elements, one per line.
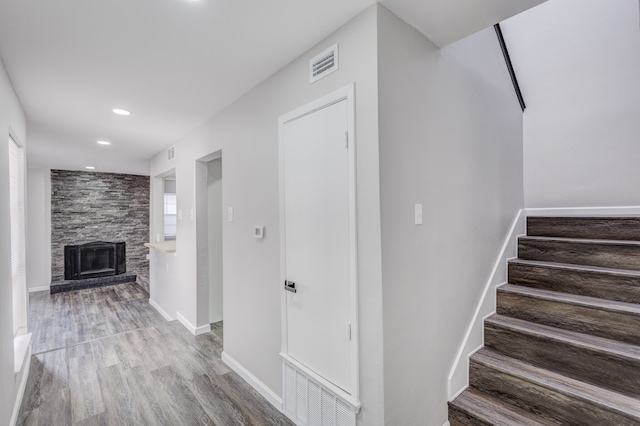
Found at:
<point>255,383</point>
<point>157,307</point>
<point>192,328</point>
<point>41,288</point>
<point>584,211</point>
<point>21,346</point>
<point>458,379</point>
<point>21,389</point>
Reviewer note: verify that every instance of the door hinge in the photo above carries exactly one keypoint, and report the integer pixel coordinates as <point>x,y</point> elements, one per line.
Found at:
<point>349,331</point>
<point>346,139</point>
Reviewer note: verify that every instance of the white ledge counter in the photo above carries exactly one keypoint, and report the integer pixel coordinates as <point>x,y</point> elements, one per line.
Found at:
<point>164,246</point>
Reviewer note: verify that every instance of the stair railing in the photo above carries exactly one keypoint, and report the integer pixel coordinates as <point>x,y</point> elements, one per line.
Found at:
<point>507,59</point>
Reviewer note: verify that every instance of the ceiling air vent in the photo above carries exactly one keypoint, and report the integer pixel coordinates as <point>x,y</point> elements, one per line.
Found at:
<point>324,64</point>
<point>171,152</point>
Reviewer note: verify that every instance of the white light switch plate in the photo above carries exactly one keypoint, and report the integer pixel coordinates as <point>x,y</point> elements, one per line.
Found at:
<point>418,214</point>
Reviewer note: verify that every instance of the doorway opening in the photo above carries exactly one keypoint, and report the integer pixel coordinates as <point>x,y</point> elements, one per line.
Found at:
<point>209,242</point>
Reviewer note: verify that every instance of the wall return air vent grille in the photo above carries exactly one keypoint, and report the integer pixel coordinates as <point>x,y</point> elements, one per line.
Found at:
<point>309,403</point>
<point>171,153</point>
<point>324,64</point>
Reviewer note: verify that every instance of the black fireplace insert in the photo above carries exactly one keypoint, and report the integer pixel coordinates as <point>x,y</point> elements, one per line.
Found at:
<point>94,259</point>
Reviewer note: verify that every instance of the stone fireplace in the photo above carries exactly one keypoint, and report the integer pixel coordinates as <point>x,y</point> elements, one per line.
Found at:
<point>105,208</point>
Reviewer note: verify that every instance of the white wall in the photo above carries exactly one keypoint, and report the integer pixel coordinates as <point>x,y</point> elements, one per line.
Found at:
<point>246,133</point>
<point>38,229</point>
<point>12,122</point>
<point>578,63</point>
<point>451,140</point>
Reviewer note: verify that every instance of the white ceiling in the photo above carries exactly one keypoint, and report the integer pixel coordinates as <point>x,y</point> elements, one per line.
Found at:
<point>172,63</point>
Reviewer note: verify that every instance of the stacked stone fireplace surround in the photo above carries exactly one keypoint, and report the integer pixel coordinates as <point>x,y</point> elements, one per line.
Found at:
<point>88,206</point>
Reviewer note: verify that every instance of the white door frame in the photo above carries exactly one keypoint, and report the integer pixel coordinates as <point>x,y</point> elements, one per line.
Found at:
<point>202,243</point>
<point>346,93</point>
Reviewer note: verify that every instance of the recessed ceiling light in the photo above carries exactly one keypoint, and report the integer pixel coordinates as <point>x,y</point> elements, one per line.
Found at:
<point>121,111</point>
<point>89,167</point>
<point>104,142</point>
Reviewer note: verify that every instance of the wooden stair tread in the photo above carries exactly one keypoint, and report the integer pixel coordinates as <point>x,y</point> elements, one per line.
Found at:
<point>573,299</point>
<point>586,280</point>
<point>585,241</point>
<point>625,227</point>
<point>493,411</point>
<point>587,341</point>
<point>592,394</point>
<point>605,253</point>
<point>571,266</point>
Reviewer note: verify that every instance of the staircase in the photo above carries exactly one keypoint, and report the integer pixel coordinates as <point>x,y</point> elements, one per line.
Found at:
<point>564,345</point>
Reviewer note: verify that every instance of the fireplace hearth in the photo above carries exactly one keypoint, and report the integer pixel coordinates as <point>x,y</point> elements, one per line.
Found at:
<point>94,259</point>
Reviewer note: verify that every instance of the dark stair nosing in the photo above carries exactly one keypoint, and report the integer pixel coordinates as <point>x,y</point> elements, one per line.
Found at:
<point>576,389</point>
<point>488,410</point>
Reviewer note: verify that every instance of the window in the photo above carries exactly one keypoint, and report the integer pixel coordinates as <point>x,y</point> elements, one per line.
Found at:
<point>170,209</point>
<point>18,238</point>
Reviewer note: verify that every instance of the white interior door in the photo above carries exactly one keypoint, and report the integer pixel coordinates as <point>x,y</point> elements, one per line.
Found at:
<point>318,242</point>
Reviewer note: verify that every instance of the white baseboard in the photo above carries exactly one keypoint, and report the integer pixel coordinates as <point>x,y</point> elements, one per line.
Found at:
<point>585,211</point>
<point>21,389</point>
<point>255,383</point>
<point>203,329</point>
<point>458,378</point>
<point>21,346</point>
<point>157,307</point>
<point>446,423</point>
<point>42,288</point>
<point>192,328</point>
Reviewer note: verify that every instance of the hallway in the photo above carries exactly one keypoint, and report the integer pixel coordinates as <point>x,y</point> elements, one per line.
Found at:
<point>103,356</point>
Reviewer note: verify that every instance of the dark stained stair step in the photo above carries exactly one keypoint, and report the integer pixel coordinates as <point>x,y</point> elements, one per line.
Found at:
<point>606,228</point>
<point>474,408</point>
<point>603,362</point>
<point>598,317</point>
<point>550,396</point>
<point>606,283</point>
<point>602,253</point>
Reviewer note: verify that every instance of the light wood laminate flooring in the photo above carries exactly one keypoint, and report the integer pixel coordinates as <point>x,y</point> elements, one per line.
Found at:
<point>105,357</point>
